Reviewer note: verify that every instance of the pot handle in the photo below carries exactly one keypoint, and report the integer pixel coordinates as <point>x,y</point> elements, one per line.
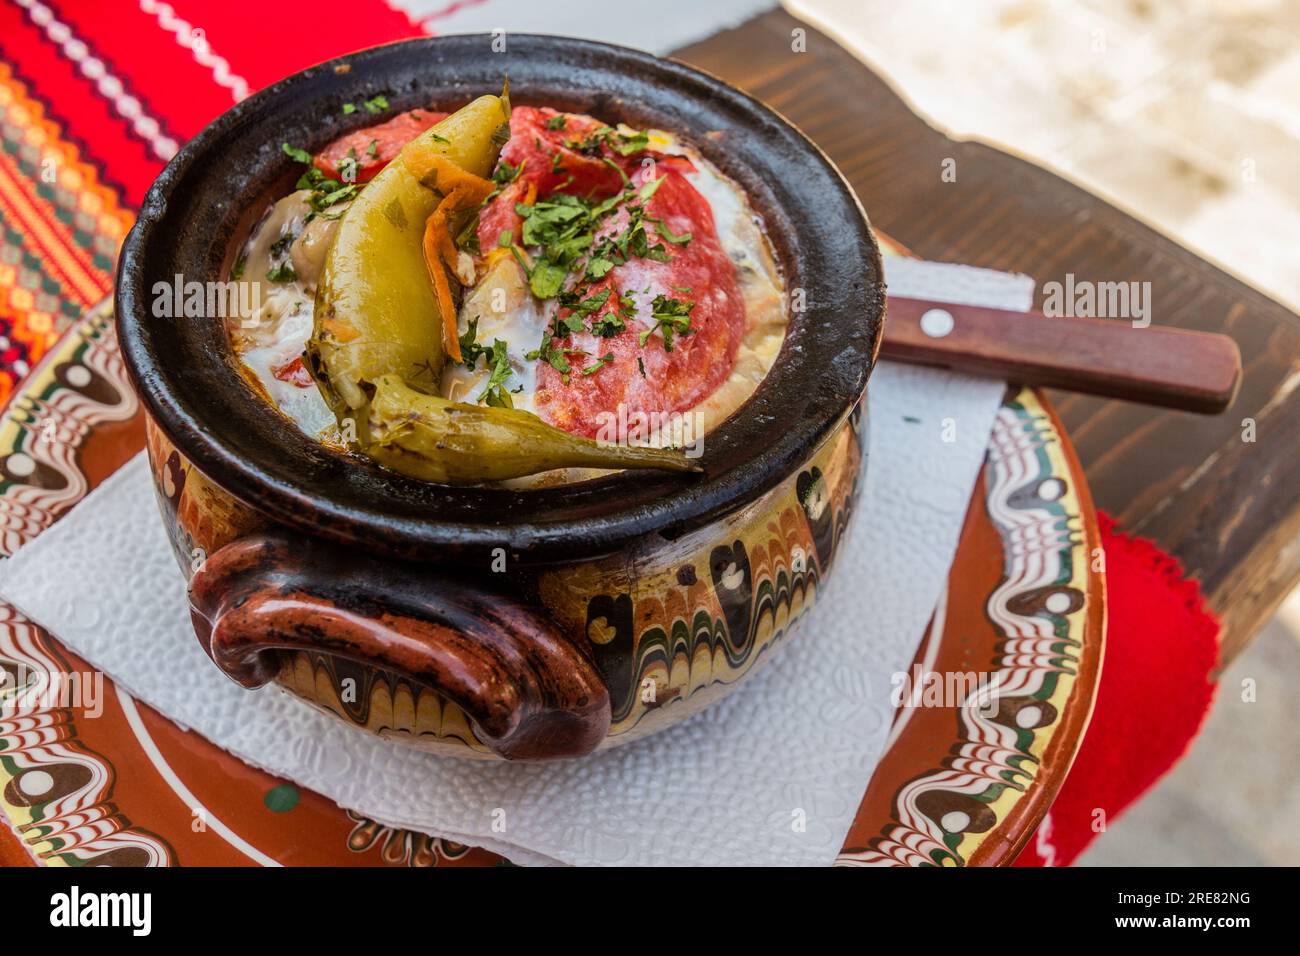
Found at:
<point>530,692</point>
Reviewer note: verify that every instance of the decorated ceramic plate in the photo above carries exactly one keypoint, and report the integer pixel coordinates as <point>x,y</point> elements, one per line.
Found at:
<point>101,779</point>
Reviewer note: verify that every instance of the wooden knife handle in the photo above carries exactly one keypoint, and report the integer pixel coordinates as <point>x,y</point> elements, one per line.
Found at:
<point>1175,368</point>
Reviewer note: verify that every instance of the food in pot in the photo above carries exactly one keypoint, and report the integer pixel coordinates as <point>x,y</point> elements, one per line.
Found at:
<point>502,292</point>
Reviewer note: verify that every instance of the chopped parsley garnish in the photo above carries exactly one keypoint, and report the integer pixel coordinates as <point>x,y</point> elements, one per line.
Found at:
<point>376,104</point>
<point>564,228</point>
<point>373,149</point>
<point>569,246</point>
<point>669,316</point>
<point>468,238</point>
<point>281,269</point>
<point>498,357</point>
<point>505,174</point>
<point>281,273</point>
<point>281,245</point>
<point>618,169</point>
<point>501,135</point>
<point>598,266</point>
<point>590,144</point>
<point>600,363</point>
<point>666,234</point>
<point>495,393</point>
<point>325,192</point>
<point>296,154</point>
<point>625,144</point>
<point>558,360</point>
<point>612,322</point>
<point>329,193</point>
<point>584,307</point>
<point>470,350</point>
<point>546,279</point>
<point>562,232</point>
<point>634,143</point>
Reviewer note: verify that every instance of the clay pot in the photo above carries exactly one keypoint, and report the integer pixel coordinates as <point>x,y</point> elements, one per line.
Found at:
<point>521,624</point>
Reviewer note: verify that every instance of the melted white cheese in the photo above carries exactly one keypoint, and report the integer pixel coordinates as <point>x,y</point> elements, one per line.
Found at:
<point>277,330</point>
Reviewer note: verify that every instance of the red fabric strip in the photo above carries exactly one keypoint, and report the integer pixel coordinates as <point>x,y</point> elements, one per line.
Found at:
<point>72,101</point>
<point>139,46</point>
<point>1162,644</point>
<point>265,42</point>
<point>179,90</point>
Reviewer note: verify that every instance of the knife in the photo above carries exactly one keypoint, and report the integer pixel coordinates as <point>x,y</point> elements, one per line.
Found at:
<point>1156,365</point>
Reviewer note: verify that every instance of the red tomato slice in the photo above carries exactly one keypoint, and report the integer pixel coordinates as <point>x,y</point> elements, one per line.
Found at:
<point>698,271</point>
<point>375,146</point>
<point>293,372</point>
<point>564,158</point>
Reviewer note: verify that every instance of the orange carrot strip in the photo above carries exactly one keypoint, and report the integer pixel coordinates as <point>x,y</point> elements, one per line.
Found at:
<point>433,230</point>
<point>461,190</point>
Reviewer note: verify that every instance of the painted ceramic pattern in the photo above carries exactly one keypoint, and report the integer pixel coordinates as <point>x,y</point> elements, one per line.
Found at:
<point>199,517</point>
<point>55,791</point>
<point>145,779</point>
<point>700,613</point>
<point>1038,612</point>
<point>695,618</point>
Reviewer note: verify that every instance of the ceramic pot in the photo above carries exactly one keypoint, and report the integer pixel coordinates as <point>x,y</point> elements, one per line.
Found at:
<point>518,624</point>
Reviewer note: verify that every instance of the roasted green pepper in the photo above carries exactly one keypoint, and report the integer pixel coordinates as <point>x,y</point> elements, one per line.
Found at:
<point>376,309</point>
<point>439,440</point>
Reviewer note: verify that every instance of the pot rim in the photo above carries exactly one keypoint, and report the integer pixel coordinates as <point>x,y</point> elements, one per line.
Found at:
<point>192,389</point>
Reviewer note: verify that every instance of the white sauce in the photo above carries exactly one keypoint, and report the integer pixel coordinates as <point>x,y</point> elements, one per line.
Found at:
<point>276,332</point>
<point>504,309</point>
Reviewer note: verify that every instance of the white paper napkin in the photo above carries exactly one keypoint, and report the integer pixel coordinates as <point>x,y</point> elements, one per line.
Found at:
<point>731,786</point>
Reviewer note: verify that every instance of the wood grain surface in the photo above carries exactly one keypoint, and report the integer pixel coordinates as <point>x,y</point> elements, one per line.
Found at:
<point>1221,493</point>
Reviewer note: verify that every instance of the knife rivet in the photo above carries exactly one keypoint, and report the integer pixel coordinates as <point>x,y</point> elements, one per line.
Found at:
<point>937,323</point>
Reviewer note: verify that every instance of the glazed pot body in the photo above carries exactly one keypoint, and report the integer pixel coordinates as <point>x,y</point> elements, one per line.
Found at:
<point>518,623</point>
<point>671,625</point>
